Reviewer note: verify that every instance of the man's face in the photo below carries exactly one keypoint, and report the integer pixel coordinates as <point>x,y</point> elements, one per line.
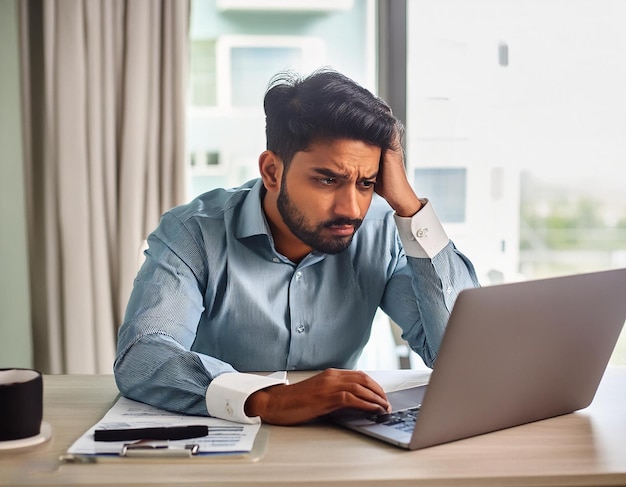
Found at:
<point>326,192</point>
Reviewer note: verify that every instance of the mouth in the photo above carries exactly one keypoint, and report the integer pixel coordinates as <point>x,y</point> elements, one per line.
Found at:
<point>342,227</point>
<point>341,230</point>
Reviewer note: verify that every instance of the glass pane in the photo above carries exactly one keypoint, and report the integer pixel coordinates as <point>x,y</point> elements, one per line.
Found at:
<point>253,67</point>
<point>446,186</point>
<point>203,73</point>
<point>530,98</point>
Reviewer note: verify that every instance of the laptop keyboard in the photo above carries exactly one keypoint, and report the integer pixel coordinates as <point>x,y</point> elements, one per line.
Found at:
<point>401,420</point>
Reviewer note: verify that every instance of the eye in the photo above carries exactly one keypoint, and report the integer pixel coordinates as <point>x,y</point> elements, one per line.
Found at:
<point>367,184</point>
<point>328,181</point>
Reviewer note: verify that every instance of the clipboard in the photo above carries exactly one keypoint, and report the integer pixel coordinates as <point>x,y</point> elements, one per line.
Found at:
<point>157,453</point>
<point>222,440</point>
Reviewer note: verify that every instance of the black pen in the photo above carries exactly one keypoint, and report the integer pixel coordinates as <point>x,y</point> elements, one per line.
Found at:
<point>157,433</point>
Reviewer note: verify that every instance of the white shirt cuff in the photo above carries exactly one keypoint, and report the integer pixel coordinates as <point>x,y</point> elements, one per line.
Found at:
<point>422,235</point>
<point>227,395</point>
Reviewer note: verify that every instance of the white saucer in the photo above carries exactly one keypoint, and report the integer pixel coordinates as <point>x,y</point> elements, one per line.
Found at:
<point>45,434</point>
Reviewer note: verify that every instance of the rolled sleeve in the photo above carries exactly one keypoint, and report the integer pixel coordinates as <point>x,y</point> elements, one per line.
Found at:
<point>227,395</point>
<point>422,235</point>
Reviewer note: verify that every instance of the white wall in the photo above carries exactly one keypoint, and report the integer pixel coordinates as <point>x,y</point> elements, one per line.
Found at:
<point>15,327</point>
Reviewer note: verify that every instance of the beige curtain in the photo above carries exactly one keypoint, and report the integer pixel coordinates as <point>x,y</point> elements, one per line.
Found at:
<point>104,93</point>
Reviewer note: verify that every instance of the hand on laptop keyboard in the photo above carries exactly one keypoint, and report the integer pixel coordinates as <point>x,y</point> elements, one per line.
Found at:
<point>317,396</point>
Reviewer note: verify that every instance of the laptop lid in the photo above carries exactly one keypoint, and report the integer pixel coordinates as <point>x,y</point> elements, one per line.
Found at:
<point>520,352</point>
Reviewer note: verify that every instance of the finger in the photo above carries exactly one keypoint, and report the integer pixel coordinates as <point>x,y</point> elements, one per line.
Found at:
<point>375,398</point>
<point>359,377</point>
<point>356,386</point>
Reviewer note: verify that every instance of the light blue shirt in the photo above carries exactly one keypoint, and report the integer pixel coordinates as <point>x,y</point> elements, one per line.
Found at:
<point>214,296</point>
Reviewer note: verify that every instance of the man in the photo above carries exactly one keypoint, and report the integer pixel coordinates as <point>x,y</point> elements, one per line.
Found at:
<point>286,272</point>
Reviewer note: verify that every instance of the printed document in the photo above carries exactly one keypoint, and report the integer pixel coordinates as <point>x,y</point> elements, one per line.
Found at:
<point>224,436</point>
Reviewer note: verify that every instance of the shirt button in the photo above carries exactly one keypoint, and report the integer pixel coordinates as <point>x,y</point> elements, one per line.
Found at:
<point>449,289</point>
<point>298,275</point>
<point>300,329</point>
<point>422,233</point>
<point>276,259</point>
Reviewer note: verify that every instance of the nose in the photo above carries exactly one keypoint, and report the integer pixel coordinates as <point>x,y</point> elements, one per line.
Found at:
<point>347,203</point>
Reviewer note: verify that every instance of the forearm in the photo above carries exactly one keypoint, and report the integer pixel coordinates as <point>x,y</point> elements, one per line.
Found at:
<point>421,294</point>
<point>156,370</point>
<point>436,284</point>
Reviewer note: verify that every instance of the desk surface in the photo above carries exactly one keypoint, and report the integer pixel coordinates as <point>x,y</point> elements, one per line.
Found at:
<point>584,448</point>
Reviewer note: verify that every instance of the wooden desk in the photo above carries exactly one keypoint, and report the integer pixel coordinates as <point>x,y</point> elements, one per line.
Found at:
<point>585,448</point>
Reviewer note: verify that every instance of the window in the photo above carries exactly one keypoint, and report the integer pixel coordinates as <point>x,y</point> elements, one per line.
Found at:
<point>261,63</point>
<point>203,73</point>
<point>529,97</point>
<point>249,62</point>
<point>445,186</point>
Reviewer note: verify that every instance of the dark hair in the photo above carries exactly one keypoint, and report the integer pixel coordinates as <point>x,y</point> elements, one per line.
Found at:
<point>325,105</point>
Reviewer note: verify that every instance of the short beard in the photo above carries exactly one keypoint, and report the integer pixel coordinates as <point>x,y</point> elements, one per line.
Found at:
<point>311,235</point>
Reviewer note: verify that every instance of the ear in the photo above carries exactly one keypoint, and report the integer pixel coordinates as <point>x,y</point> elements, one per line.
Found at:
<point>271,169</point>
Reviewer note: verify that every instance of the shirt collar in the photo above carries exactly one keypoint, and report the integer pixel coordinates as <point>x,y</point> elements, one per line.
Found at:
<point>251,219</point>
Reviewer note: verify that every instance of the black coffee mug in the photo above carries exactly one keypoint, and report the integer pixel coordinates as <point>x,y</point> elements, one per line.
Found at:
<point>21,403</point>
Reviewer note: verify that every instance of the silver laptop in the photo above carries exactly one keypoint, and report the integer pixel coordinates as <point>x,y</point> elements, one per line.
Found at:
<point>511,354</point>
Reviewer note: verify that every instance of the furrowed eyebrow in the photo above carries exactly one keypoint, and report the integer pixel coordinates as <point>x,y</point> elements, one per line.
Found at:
<point>328,172</point>
<point>332,174</point>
